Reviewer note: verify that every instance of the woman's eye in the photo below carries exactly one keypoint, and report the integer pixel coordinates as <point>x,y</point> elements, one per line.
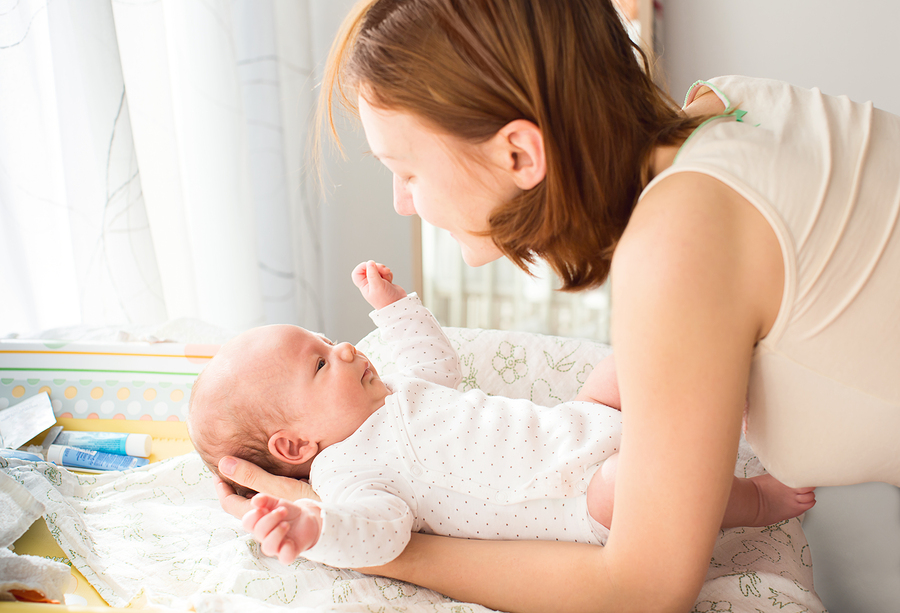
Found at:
<point>320,365</point>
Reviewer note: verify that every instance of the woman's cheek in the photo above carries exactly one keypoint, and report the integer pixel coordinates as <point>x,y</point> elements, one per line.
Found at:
<point>403,201</point>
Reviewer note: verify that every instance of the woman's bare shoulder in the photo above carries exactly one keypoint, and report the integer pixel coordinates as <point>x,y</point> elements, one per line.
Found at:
<point>683,214</point>
<point>693,235</point>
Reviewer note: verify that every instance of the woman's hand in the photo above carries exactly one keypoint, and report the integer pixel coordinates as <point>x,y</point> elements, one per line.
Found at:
<point>255,478</point>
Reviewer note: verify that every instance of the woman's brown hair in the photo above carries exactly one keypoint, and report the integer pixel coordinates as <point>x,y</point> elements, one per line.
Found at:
<point>469,67</point>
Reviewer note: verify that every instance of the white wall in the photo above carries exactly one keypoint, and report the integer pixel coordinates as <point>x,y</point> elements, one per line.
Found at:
<point>841,47</point>
<point>358,219</point>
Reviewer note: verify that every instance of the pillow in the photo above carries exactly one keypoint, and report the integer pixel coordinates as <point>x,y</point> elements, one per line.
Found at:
<point>544,369</point>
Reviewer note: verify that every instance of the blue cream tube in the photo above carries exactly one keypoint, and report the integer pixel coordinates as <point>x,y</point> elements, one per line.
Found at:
<point>120,443</point>
<point>87,459</point>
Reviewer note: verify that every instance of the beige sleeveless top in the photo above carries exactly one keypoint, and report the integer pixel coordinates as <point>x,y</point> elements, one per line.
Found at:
<point>825,172</point>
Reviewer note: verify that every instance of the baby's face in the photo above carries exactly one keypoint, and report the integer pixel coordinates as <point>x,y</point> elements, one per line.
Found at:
<point>335,387</point>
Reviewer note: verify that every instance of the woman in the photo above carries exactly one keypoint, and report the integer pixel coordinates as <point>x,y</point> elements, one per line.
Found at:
<point>748,247</point>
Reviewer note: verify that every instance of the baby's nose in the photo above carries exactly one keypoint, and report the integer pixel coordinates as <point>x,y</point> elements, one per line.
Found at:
<point>346,351</point>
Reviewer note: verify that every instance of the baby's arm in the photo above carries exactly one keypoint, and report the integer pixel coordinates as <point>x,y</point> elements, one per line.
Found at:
<point>364,520</point>
<point>418,344</point>
<point>601,385</point>
<point>284,529</point>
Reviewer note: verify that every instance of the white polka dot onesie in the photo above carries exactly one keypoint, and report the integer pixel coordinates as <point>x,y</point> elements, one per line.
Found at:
<point>437,460</point>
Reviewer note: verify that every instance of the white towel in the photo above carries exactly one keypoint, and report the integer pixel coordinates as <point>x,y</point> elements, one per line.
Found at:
<point>32,574</point>
<point>18,510</point>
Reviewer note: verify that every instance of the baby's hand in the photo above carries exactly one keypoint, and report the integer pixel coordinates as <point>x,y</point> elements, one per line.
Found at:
<point>283,528</point>
<point>375,284</point>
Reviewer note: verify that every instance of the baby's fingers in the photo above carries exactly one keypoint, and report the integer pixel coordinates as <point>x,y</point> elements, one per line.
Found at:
<point>288,551</point>
<point>251,518</point>
<point>266,523</point>
<point>274,541</point>
<point>385,272</point>
<point>359,274</point>
<point>373,273</point>
<point>264,501</point>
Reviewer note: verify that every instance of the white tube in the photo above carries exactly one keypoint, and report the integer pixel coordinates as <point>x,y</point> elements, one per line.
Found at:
<point>120,443</point>
<point>94,460</point>
<point>20,455</point>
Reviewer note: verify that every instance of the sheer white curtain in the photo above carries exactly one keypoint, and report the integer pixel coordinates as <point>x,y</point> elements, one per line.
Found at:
<point>153,163</point>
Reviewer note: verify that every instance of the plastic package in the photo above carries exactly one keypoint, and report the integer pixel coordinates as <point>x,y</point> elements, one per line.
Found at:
<point>20,455</point>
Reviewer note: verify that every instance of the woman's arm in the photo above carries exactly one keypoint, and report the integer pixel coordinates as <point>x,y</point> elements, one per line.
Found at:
<point>695,281</point>
<point>693,292</point>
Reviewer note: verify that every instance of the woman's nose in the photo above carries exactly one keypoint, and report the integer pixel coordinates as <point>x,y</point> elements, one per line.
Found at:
<point>345,351</point>
<point>403,202</point>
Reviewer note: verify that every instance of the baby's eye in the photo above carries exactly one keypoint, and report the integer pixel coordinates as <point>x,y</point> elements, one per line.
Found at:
<point>320,365</point>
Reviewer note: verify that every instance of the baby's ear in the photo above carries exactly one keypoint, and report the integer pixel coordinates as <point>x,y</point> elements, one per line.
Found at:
<point>288,447</point>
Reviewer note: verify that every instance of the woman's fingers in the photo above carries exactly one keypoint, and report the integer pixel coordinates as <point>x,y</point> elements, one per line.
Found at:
<point>233,503</point>
<point>255,478</point>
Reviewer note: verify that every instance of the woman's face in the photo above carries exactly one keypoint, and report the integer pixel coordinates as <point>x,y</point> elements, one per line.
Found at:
<point>431,181</point>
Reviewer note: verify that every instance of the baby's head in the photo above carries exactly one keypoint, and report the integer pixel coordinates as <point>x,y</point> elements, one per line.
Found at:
<point>277,395</point>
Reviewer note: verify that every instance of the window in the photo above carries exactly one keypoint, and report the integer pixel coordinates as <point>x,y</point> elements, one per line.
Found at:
<point>500,296</point>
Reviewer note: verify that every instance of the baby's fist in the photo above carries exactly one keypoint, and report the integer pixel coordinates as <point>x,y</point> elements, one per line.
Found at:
<point>284,529</point>
<point>375,284</point>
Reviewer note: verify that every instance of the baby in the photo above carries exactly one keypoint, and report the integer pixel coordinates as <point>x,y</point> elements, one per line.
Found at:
<point>411,452</point>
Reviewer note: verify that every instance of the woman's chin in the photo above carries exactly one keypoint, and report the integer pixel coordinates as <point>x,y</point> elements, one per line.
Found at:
<point>479,257</point>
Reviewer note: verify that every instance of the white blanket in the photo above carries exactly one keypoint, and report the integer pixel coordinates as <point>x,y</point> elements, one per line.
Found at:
<point>157,535</point>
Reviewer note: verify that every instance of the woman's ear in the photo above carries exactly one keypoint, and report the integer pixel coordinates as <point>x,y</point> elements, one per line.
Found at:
<point>288,447</point>
<point>521,153</point>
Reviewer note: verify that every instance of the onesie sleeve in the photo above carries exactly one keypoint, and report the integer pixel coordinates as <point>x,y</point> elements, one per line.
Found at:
<point>419,346</point>
<point>364,524</point>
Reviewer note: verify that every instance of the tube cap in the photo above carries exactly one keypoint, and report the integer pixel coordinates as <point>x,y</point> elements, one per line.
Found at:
<point>138,445</point>
<point>54,454</point>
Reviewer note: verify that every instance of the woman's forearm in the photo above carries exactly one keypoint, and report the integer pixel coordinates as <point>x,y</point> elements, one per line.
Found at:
<point>524,576</point>
<point>504,575</point>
